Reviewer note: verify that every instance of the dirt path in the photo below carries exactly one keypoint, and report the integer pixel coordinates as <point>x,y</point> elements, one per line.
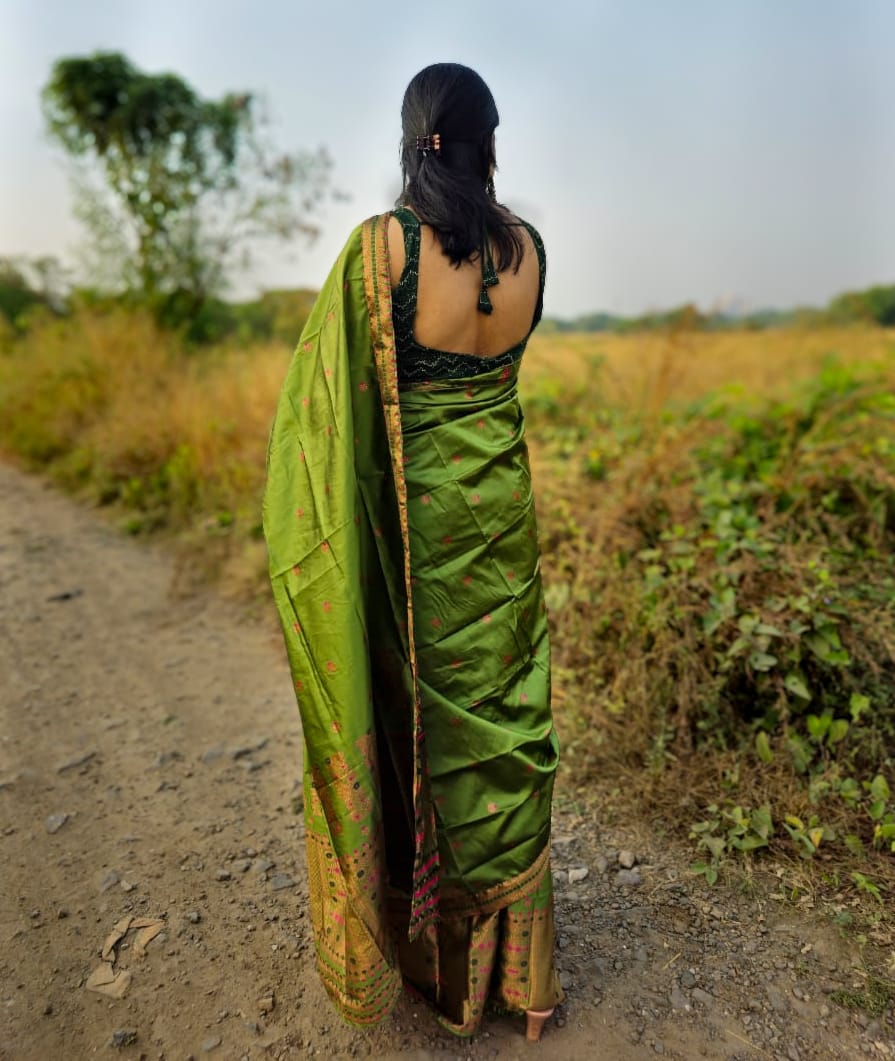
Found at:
<point>149,757</point>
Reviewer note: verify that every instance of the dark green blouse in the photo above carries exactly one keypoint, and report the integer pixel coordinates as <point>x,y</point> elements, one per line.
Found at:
<point>420,364</point>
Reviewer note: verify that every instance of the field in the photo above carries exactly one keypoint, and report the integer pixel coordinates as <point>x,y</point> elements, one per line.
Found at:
<point>717,516</point>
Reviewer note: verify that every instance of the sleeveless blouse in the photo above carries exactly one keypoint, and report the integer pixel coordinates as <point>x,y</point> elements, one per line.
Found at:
<point>422,364</point>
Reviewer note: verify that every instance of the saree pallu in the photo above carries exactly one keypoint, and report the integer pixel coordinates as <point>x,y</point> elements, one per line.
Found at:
<point>404,564</point>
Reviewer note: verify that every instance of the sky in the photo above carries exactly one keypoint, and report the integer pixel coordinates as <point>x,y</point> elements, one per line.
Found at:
<point>727,152</point>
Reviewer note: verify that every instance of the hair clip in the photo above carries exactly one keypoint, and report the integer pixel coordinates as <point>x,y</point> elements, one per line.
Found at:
<point>430,142</point>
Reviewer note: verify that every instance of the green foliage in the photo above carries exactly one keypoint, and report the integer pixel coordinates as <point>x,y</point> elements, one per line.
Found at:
<point>741,601</point>
<point>174,189</point>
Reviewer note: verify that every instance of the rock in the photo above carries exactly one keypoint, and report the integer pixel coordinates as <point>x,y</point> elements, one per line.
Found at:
<point>193,916</point>
<point>222,874</point>
<point>211,754</point>
<point>78,760</point>
<point>658,1045</point>
<point>628,878</point>
<point>560,876</point>
<point>776,999</point>
<point>126,885</point>
<point>250,746</point>
<point>688,979</point>
<point>702,997</point>
<point>266,1004</point>
<point>263,865</point>
<point>241,865</point>
<point>280,881</point>
<point>108,880</point>
<point>601,863</point>
<point>577,873</point>
<point>123,1037</point>
<point>211,1043</point>
<point>55,822</point>
<point>678,999</point>
<point>627,859</point>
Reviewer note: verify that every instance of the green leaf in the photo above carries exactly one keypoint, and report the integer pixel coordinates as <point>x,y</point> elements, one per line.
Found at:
<point>838,731</point>
<point>877,810</point>
<point>768,630</point>
<point>761,821</point>
<point>818,726</point>
<point>794,683</point>
<point>749,843</point>
<point>857,705</point>
<point>879,788</point>
<point>763,747</point>
<point>761,661</point>
<point>854,843</point>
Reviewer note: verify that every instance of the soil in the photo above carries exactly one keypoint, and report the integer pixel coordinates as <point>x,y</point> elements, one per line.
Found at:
<point>149,764</point>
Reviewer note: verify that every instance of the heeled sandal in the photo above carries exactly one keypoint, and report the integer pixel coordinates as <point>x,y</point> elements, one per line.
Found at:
<point>535,1019</point>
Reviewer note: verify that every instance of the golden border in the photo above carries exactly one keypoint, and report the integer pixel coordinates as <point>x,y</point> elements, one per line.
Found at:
<point>378,292</point>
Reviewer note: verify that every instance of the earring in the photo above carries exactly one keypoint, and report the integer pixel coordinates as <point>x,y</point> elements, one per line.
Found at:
<point>489,189</point>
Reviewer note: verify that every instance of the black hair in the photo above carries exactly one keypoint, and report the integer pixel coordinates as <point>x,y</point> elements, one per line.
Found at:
<point>449,189</point>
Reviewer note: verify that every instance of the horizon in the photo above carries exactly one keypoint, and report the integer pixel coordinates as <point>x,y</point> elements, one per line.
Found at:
<point>724,157</point>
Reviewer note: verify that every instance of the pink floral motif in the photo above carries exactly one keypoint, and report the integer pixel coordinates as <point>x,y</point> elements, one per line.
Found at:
<point>476,498</point>
<point>511,575</point>
<point>505,375</point>
<point>457,663</point>
<point>299,685</point>
<point>363,385</point>
<point>480,424</point>
<point>299,512</point>
<point>524,698</point>
<point>492,808</point>
<point>296,570</point>
<point>331,667</point>
<point>296,627</point>
<point>327,372</point>
<point>456,458</point>
<point>455,721</point>
<point>486,618</point>
<point>426,500</point>
<point>327,607</point>
<point>467,580</point>
<point>306,402</point>
<point>447,539</point>
<point>307,347</point>
<point>324,547</point>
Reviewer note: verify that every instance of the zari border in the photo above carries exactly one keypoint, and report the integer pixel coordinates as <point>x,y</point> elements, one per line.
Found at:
<point>455,903</point>
<point>377,288</point>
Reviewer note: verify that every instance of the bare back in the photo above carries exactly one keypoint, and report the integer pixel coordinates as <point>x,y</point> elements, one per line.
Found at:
<point>447,316</point>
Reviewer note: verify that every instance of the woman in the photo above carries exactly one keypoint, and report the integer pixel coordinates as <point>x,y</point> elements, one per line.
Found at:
<point>404,563</point>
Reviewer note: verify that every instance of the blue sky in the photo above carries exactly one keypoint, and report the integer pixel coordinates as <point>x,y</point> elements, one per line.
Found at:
<point>668,150</point>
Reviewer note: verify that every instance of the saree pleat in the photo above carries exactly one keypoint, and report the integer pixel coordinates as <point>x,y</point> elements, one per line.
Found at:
<point>405,567</point>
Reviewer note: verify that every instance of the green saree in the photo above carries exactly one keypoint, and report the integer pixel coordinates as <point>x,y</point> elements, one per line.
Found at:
<point>404,563</point>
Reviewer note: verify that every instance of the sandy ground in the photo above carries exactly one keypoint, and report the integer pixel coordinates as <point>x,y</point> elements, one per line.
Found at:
<point>149,758</point>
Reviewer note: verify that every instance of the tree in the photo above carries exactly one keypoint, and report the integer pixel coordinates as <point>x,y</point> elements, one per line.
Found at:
<point>175,190</point>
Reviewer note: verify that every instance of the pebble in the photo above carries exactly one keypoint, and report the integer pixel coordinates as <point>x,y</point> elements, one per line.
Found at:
<point>279,881</point>
<point>109,880</point>
<point>629,878</point>
<point>263,865</point>
<point>222,874</point>
<point>702,997</point>
<point>211,754</point>
<point>688,979</point>
<point>678,999</point>
<point>211,1043</point>
<point>627,859</point>
<point>123,1037</point>
<point>601,863</point>
<point>193,916</point>
<point>577,873</point>
<point>241,865</point>
<point>560,876</point>
<point>55,822</point>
